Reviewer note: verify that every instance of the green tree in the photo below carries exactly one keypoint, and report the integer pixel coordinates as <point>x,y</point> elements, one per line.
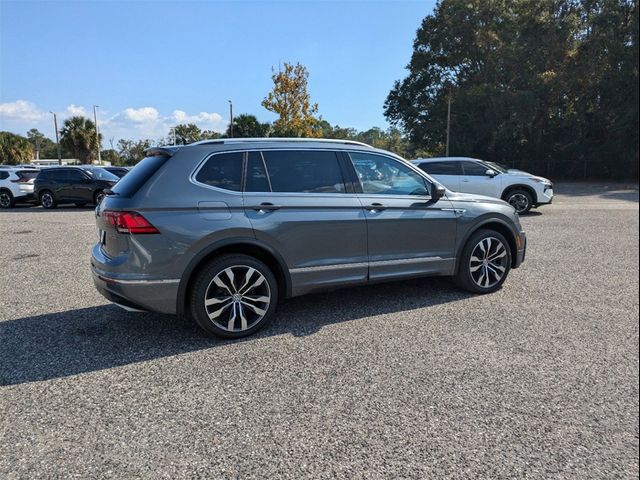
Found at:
<point>187,133</point>
<point>248,126</point>
<point>78,135</point>
<point>14,149</point>
<point>132,151</point>
<point>546,85</point>
<point>111,156</point>
<point>292,102</point>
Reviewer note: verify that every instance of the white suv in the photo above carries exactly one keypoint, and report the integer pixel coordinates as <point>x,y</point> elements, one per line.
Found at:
<point>16,185</point>
<point>469,175</point>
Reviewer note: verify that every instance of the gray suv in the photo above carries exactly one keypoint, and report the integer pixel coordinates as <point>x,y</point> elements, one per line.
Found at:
<point>222,230</point>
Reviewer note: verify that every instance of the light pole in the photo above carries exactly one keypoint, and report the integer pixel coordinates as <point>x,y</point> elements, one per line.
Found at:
<point>55,125</point>
<point>95,119</point>
<point>448,119</point>
<point>231,118</point>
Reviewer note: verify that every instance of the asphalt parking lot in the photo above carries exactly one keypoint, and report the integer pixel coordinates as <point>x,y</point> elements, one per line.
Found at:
<point>406,380</point>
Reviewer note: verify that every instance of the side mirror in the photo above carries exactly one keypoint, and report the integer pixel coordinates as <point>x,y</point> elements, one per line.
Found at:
<point>437,192</point>
<point>491,173</point>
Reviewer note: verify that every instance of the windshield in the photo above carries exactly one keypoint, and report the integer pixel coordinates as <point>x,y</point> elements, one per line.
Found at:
<point>102,174</point>
<point>496,166</point>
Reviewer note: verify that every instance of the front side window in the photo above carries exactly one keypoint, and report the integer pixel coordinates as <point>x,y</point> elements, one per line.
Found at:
<point>102,174</point>
<point>303,171</point>
<point>74,176</point>
<point>223,170</point>
<point>474,169</point>
<point>257,179</point>
<point>385,176</point>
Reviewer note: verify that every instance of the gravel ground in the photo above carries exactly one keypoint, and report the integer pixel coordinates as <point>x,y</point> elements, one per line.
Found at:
<point>406,380</point>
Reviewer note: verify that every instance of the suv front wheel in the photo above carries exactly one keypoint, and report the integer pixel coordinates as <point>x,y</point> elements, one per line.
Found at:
<point>485,262</point>
<point>234,296</point>
<point>521,200</point>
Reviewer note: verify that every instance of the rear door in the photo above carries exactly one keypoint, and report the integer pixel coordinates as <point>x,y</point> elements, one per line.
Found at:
<point>447,173</point>
<point>299,203</point>
<point>408,233</point>
<point>476,180</point>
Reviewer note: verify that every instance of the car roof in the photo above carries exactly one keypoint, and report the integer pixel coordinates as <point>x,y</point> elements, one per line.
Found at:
<point>445,159</point>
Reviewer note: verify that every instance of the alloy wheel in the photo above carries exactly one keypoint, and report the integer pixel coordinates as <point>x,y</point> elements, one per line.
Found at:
<point>5,200</point>
<point>519,201</point>
<point>46,200</point>
<point>237,298</point>
<point>488,262</point>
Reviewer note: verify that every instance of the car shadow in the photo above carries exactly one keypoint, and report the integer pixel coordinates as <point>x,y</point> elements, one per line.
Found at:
<point>67,343</point>
<point>608,191</point>
<point>38,209</point>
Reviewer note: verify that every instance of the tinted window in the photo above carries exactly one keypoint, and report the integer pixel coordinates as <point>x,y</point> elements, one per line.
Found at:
<point>304,171</point>
<point>257,180</point>
<point>75,176</point>
<point>139,175</point>
<point>102,174</point>
<point>222,171</point>
<point>383,175</point>
<point>57,174</point>
<point>441,168</point>
<point>4,175</point>
<point>475,169</point>
<point>27,174</point>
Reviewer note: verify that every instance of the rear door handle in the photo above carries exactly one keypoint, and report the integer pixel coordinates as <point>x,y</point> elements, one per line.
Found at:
<point>376,207</point>
<point>266,207</point>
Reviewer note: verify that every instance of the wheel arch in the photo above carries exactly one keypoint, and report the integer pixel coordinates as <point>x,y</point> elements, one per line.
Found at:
<point>497,225</point>
<point>246,246</point>
<point>520,186</point>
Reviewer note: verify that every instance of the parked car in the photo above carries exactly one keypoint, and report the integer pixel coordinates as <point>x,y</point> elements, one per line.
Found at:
<point>469,175</point>
<point>223,229</point>
<point>78,185</point>
<point>117,171</point>
<point>16,186</point>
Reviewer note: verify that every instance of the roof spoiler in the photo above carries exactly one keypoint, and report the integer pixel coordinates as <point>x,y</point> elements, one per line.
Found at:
<point>161,151</point>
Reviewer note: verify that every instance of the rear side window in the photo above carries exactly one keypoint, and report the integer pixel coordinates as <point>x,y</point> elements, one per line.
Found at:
<point>303,171</point>
<point>28,174</point>
<point>441,168</point>
<point>4,175</point>
<point>222,171</point>
<point>257,179</point>
<point>139,175</point>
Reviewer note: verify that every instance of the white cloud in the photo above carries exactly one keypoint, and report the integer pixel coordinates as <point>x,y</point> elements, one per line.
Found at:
<point>21,111</point>
<point>142,115</point>
<point>130,123</point>
<point>75,111</point>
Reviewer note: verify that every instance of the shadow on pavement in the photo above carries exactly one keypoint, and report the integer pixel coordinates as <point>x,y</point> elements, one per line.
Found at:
<point>96,338</point>
<point>612,191</point>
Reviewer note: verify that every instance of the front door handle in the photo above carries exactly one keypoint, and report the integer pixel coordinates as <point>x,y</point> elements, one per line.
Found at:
<point>266,207</point>
<point>375,207</point>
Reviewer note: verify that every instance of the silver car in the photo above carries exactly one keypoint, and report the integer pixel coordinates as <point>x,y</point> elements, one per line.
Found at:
<point>221,230</point>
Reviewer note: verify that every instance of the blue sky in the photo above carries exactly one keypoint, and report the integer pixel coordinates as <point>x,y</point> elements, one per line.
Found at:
<point>150,65</point>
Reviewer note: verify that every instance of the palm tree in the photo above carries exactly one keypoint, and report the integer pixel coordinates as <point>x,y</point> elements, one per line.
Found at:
<point>14,149</point>
<point>78,135</point>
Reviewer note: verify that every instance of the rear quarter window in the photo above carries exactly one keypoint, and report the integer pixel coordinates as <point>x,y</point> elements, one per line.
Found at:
<point>222,170</point>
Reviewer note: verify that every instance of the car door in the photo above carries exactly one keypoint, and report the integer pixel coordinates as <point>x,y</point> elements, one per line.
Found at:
<point>448,173</point>
<point>475,180</point>
<point>80,186</point>
<point>299,203</point>
<point>408,232</point>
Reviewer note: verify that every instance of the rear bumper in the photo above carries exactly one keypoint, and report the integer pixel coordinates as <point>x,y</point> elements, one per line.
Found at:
<point>135,291</point>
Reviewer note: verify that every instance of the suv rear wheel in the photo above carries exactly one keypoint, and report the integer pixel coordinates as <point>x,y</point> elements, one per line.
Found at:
<point>234,296</point>
<point>47,200</point>
<point>485,262</point>
<point>6,199</point>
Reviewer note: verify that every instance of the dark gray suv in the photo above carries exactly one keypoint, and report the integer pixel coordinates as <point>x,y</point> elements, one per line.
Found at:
<point>223,229</point>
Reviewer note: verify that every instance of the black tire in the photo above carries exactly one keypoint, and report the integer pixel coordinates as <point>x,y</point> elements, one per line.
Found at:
<point>470,272</point>
<point>47,200</point>
<point>243,314</point>
<point>520,199</point>
<point>6,199</point>
<point>97,197</point>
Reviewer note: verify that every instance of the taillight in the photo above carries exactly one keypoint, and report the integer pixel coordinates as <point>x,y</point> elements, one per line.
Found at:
<point>128,222</point>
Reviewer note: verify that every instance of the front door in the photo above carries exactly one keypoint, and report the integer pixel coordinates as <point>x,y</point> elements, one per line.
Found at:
<point>476,180</point>
<point>408,232</point>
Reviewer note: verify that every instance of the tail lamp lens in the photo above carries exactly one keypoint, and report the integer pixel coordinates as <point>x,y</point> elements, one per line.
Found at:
<point>129,222</point>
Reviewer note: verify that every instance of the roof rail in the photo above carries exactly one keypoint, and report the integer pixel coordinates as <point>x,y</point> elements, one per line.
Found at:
<point>166,151</point>
<point>277,139</point>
